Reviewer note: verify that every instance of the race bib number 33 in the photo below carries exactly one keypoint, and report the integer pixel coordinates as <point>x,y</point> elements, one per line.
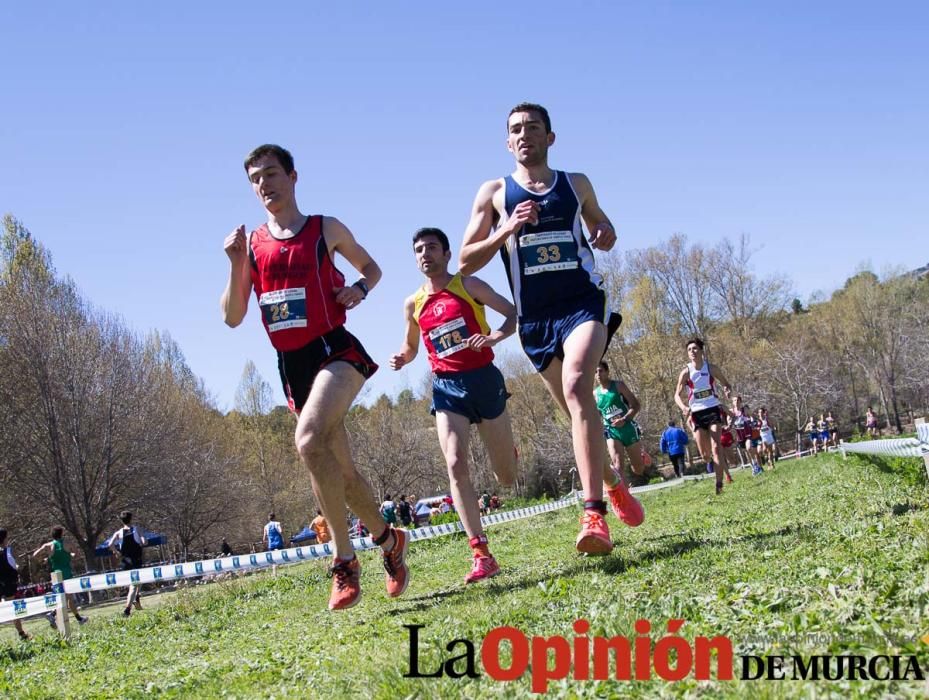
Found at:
<point>284,308</point>
<point>449,338</point>
<point>548,252</point>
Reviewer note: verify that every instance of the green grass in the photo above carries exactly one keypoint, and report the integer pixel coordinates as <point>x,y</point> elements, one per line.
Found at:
<point>821,546</point>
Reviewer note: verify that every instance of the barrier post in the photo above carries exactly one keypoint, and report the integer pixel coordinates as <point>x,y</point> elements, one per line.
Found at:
<point>61,605</point>
<point>922,421</point>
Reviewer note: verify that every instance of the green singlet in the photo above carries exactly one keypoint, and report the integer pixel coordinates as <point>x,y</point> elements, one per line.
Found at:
<point>612,404</point>
<point>60,560</point>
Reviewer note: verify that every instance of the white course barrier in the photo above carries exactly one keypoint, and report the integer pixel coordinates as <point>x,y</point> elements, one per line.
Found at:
<point>50,602</point>
<point>902,447</point>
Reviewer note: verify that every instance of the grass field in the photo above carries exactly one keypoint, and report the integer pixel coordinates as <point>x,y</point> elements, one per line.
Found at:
<point>819,557</point>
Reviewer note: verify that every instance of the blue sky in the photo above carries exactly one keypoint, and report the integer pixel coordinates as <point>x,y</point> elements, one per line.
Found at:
<point>123,130</point>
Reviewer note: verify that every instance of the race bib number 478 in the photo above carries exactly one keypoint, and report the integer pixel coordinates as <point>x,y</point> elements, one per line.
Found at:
<point>284,308</point>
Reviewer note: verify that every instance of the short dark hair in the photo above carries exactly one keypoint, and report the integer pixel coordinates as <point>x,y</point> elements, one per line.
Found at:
<point>531,107</point>
<point>126,517</point>
<point>604,365</point>
<point>270,516</point>
<point>437,232</point>
<point>386,496</point>
<point>271,149</point>
<point>57,532</point>
<point>695,341</point>
<point>2,535</point>
<point>671,423</point>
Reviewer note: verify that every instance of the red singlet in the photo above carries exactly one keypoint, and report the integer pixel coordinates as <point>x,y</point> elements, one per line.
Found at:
<point>446,319</point>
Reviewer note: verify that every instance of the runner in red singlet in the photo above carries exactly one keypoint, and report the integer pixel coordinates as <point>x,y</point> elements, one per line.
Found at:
<point>303,298</point>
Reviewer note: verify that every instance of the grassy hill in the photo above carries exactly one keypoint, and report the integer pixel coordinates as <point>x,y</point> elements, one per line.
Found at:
<point>819,557</point>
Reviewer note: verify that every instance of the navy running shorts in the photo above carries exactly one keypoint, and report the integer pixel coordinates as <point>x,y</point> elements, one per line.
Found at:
<point>543,339</point>
<point>478,394</point>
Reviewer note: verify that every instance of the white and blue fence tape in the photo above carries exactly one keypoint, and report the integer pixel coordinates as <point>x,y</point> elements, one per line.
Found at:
<point>898,447</point>
<point>43,604</point>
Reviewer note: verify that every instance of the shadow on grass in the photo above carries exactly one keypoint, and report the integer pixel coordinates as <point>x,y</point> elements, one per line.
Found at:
<point>612,565</point>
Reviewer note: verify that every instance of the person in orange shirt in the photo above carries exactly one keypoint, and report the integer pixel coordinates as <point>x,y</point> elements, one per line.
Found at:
<point>321,528</point>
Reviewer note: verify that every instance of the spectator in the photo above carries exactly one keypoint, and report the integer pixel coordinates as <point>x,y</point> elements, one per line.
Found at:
<point>321,528</point>
<point>273,537</point>
<point>674,443</point>
<point>389,511</point>
<point>495,502</point>
<point>225,548</point>
<point>871,423</point>
<point>485,503</point>
<point>9,579</point>
<point>405,512</point>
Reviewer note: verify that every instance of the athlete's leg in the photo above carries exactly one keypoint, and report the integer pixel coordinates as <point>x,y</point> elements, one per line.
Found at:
<point>583,349</point>
<point>616,452</point>
<point>719,456</point>
<point>497,435</point>
<point>635,458</point>
<point>454,432</point>
<point>322,445</point>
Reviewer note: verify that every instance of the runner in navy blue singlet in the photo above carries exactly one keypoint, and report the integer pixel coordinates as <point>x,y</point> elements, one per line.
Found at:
<point>534,218</point>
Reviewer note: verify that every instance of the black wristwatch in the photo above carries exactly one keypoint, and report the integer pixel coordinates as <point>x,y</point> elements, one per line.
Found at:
<point>363,287</point>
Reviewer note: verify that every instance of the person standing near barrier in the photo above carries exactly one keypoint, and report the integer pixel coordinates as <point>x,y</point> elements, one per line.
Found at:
<point>703,409</point>
<point>289,261</point>
<point>127,543</point>
<point>9,579</point>
<point>59,559</point>
<point>467,388</point>
<point>225,549</point>
<point>674,443</point>
<point>272,537</point>
<point>871,423</point>
<point>404,511</point>
<point>619,406</point>
<point>533,217</point>
<point>321,528</point>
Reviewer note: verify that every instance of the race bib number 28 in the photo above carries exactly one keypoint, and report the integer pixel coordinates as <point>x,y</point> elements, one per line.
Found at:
<point>284,308</point>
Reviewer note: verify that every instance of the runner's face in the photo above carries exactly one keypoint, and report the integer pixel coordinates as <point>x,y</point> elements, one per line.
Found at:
<point>430,258</point>
<point>603,374</point>
<point>273,187</point>
<point>694,352</point>
<point>527,139</point>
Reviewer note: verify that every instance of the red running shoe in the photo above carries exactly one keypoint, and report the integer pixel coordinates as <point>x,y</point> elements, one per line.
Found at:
<point>346,584</point>
<point>594,537</point>
<point>482,567</point>
<point>397,575</point>
<point>626,507</point>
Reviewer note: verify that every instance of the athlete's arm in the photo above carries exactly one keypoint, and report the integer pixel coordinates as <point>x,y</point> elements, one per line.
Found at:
<point>47,545</point>
<point>631,400</point>
<point>410,346</point>
<point>602,233</point>
<point>339,238</point>
<point>484,294</point>
<point>714,372</point>
<point>480,244</point>
<point>234,301</point>
<point>678,399</point>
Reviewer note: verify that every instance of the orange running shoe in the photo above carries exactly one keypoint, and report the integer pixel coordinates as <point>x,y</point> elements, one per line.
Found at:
<point>482,567</point>
<point>346,584</point>
<point>625,506</point>
<point>594,537</point>
<point>397,575</point>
